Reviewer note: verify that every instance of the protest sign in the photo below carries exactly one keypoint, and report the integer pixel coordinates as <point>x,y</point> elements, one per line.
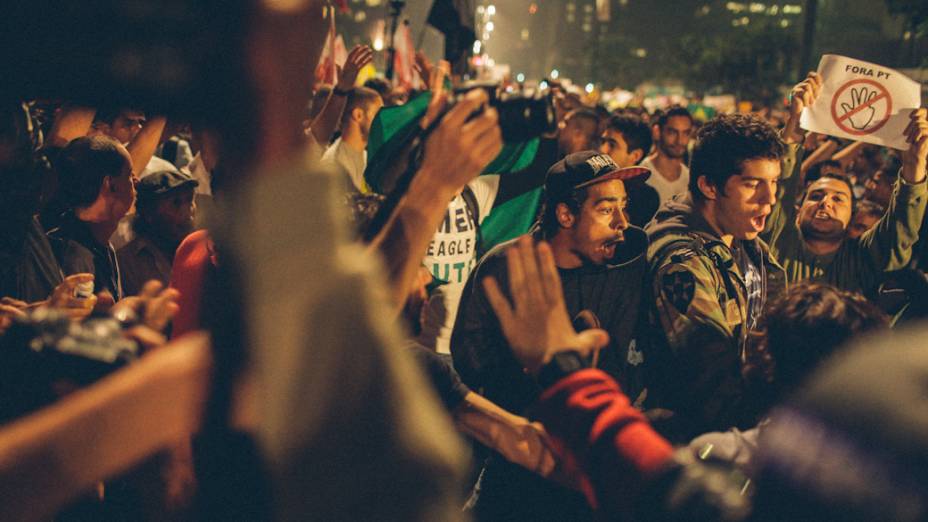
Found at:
<point>862,101</point>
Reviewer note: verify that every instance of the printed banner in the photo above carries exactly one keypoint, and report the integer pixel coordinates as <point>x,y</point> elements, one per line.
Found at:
<point>862,101</point>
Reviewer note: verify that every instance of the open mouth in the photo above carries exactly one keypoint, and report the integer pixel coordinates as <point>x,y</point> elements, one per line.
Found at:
<point>822,215</point>
<point>609,246</point>
<point>758,222</point>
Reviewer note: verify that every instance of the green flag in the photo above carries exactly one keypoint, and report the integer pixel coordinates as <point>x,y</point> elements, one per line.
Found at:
<point>394,125</point>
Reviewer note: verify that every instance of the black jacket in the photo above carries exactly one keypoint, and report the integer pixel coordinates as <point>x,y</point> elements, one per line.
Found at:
<point>611,291</point>
<point>485,362</point>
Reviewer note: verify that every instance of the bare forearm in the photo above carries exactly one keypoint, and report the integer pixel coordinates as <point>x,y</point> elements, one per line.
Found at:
<point>847,154</point>
<point>406,236</point>
<point>325,124</point>
<point>53,455</point>
<point>822,153</point>
<point>70,123</point>
<point>143,146</point>
<point>512,436</point>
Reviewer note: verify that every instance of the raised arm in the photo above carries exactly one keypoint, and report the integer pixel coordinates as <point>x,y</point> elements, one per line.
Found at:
<point>888,245</point>
<point>456,152</point>
<point>71,122</point>
<point>143,146</point>
<point>784,210</point>
<point>822,153</point>
<point>326,123</point>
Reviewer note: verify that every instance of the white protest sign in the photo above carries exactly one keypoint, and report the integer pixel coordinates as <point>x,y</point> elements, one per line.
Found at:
<point>862,101</point>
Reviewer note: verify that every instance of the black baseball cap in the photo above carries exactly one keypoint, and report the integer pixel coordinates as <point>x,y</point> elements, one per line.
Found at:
<point>585,168</point>
<point>162,182</point>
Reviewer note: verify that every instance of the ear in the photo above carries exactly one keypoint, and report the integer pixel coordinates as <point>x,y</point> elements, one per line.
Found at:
<point>357,114</point>
<point>107,185</point>
<point>636,156</point>
<point>708,189</point>
<point>565,217</point>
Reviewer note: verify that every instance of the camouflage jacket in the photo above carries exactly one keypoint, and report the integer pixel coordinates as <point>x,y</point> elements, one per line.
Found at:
<point>698,320</point>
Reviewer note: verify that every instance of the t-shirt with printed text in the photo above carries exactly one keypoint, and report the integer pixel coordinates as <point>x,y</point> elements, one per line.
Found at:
<point>450,257</point>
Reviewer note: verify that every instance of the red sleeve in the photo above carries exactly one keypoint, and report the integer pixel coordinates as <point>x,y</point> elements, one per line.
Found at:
<point>188,274</point>
<point>602,438</point>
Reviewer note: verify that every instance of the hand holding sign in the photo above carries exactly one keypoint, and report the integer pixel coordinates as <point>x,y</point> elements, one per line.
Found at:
<point>862,101</point>
<point>915,160</point>
<point>803,95</point>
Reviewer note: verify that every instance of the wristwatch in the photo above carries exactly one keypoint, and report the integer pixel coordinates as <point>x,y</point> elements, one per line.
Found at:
<point>560,366</point>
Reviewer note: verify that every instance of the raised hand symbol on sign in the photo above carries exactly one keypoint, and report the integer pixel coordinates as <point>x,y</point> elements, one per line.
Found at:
<point>860,112</point>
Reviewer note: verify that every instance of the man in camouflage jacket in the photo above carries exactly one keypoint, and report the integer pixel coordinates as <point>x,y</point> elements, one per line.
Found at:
<point>711,275</point>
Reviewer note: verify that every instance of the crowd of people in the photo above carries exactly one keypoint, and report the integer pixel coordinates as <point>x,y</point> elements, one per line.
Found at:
<point>708,320</point>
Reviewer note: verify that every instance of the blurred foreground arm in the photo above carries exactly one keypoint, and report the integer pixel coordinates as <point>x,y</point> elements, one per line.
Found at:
<point>50,457</point>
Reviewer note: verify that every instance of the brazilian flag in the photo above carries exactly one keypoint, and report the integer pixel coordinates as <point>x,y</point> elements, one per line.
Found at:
<point>394,125</point>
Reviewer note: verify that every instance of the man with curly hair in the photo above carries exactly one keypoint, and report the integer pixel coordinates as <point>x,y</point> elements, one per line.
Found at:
<point>711,275</point>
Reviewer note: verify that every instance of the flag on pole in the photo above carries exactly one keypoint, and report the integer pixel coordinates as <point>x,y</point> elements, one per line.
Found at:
<point>456,20</point>
<point>404,57</point>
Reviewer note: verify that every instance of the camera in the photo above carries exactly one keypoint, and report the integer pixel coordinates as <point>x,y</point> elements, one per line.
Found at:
<point>521,117</point>
<point>45,354</point>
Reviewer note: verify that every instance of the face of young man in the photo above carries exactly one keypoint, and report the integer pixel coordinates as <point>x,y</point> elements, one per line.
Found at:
<point>599,227</point>
<point>126,126</point>
<point>675,136</point>
<point>175,212</point>
<point>741,209</point>
<point>614,145</point>
<point>826,210</point>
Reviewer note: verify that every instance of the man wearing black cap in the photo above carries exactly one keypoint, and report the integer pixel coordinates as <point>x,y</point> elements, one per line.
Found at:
<point>601,260</point>
<point>165,211</point>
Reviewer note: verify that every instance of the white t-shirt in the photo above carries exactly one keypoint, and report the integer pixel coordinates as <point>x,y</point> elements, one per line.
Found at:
<point>451,255</point>
<point>667,189</point>
<point>348,162</point>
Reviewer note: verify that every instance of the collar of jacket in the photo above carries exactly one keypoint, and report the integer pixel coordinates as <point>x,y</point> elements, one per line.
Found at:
<point>678,218</point>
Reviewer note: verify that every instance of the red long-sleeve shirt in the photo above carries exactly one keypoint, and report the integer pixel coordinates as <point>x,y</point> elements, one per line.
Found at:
<point>605,443</point>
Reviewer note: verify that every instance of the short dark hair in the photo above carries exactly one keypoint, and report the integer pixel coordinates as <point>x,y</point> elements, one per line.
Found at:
<point>725,143</point>
<point>584,113</point>
<point>108,113</point>
<point>549,223</point>
<point>815,171</point>
<point>83,165</point>
<point>636,132</point>
<point>359,98</point>
<point>673,111</point>
<point>380,85</point>
<point>801,328</point>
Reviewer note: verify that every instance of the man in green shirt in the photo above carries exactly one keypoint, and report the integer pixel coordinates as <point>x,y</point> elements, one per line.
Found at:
<point>808,229</point>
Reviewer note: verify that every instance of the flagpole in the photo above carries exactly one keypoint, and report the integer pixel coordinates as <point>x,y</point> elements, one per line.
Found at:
<point>396,8</point>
